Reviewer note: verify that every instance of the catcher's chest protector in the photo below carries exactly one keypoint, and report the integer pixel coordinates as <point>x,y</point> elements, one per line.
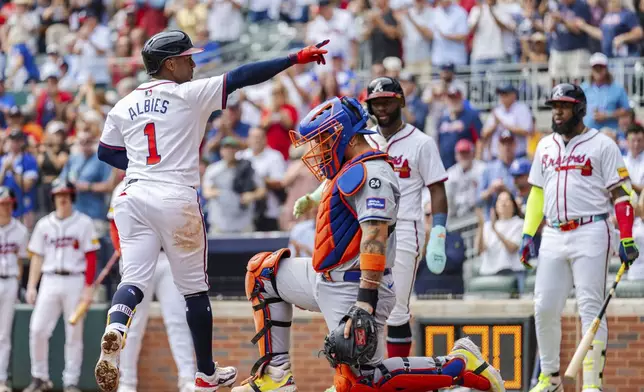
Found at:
<point>337,230</point>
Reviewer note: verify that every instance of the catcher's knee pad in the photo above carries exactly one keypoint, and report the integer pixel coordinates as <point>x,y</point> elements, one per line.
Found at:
<point>260,271</point>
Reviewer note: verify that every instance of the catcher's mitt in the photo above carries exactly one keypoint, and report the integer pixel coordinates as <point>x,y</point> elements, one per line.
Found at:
<point>361,345</point>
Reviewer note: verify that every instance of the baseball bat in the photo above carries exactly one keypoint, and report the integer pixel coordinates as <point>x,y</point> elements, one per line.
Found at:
<point>82,307</point>
<point>587,340</point>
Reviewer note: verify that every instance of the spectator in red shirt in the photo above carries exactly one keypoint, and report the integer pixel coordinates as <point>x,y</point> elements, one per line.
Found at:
<point>278,119</point>
<point>51,99</point>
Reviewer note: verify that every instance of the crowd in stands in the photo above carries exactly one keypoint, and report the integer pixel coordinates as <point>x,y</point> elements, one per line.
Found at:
<point>71,60</point>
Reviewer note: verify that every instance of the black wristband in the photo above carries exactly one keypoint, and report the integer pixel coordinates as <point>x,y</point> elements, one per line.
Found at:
<point>369,296</point>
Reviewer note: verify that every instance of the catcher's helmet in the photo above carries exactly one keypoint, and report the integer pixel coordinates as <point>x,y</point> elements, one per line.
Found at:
<point>164,45</point>
<point>62,186</point>
<point>328,128</point>
<point>384,87</point>
<point>7,194</point>
<point>566,92</point>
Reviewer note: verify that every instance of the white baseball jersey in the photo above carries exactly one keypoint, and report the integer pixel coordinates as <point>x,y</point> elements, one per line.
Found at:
<point>418,164</point>
<point>63,243</point>
<point>13,246</point>
<point>577,178</point>
<point>161,125</point>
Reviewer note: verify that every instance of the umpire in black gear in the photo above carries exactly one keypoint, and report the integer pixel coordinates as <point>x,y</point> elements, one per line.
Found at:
<point>167,45</point>
<point>563,96</point>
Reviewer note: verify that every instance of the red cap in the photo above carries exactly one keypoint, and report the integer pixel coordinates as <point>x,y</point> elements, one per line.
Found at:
<point>464,145</point>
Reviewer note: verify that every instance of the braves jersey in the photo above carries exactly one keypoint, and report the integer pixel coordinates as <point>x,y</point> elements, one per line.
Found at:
<point>161,125</point>
<point>577,178</point>
<point>417,164</point>
<point>13,246</point>
<point>63,243</point>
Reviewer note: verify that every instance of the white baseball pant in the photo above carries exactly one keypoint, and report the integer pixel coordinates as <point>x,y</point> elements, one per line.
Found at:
<point>150,215</point>
<point>580,258</point>
<point>410,237</point>
<point>57,294</point>
<point>8,297</point>
<point>174,317</point>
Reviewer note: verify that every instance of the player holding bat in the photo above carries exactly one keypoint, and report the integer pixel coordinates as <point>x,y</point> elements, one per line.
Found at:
<point>578,178</point>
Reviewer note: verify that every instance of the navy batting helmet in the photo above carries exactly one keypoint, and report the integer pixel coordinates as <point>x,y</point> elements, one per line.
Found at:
<point>566,92</point>
<point>7,194</point>
<point>165,45</point>
<point>62,186</point>
<point>384,87</point>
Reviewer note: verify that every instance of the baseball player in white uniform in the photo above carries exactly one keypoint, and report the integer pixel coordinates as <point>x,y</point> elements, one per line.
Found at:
<point>418,166</point>
<point>154,133</point>
<point>63,247</point>
<point>172,306</point>
<point>14,237</point>
<point>578,177</point>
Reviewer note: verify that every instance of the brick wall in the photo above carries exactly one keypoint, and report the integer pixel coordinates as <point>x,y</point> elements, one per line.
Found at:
<point>232,334</point>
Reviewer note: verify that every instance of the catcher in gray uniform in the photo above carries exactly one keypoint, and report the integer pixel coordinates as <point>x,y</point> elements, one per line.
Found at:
<point>349,277</point>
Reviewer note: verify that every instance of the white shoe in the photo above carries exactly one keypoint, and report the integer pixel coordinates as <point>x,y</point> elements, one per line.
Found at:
<point>107,368</point>
<point>223,376</point>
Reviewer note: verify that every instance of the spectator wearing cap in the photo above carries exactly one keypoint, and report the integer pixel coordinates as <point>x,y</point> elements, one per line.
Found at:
<point>231,187</point>
<point>435,93</point>
<point>417,36</point>
<point>534,50</point>
<point>463,179</point>
<point>17,121</point>
<point>487,21</point>
<point>451,31</point>
<point>52,156</point>
<point>51,99</point>
<point>607,100</point>
<point>270,166</point>
<point>92,47</point>
<point>619,32</point>
<point>496,176</point>
<point>520,169</point>
<point>338,26</point>
<point>383,32</point>
<point>634,159</point>
<point>569,43</point>
<point>458,122</point>
<point>511,115</point>
<point>19,172</point>
<point>7,101</point>
<point>229,123</point>
<point>415,111</point>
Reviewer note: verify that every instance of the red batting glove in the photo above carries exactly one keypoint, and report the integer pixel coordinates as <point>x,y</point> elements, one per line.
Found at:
<point>311,53</point>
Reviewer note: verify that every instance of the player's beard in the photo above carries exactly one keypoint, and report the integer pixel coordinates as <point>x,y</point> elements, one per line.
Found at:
<point>392,118</point>
<point>566,127</point>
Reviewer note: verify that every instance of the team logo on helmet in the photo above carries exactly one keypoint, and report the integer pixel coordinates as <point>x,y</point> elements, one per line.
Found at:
<point>378,87</point>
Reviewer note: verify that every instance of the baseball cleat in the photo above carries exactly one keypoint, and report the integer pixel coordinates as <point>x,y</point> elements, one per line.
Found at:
<point>223,377</point>
<point>38,385</point>
<point>466,349</point>
<point>546,384</point>
<point>274,379</point>
<point>107,368</point>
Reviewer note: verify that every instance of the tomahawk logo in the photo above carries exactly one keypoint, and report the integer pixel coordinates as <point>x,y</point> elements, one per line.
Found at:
<point>558,92</point>
<point>378,88</point>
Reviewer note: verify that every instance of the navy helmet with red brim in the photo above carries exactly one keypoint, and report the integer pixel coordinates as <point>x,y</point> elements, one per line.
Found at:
<point>569,93</point>
<point>165,45</point>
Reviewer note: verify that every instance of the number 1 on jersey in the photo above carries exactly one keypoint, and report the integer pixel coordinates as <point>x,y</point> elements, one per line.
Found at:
<point>153,155</point>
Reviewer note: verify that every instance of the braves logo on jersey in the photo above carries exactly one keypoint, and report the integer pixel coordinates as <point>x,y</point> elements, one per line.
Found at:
<point>401,166</point>
<point>63,242</point>
<point>9,248</point>
<point>571,162</point>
